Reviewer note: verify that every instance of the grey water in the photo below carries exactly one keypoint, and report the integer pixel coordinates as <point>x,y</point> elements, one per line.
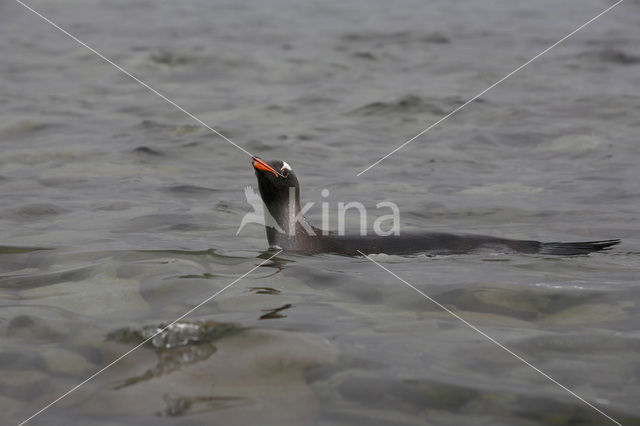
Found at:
<point>119,213</point>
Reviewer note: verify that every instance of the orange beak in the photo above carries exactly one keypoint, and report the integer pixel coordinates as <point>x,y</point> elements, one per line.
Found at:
<point>261,165</point>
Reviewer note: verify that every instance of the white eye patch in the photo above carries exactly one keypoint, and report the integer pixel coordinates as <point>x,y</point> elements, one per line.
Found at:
<point>285,166</point>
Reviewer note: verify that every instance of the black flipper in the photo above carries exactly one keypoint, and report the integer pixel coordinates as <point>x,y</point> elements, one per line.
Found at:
<point>570,249</point>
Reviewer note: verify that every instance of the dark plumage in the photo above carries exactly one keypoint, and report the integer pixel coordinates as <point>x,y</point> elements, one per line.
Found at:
<point>278,184</point>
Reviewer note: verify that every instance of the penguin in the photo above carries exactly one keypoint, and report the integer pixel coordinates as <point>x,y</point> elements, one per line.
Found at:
<point>280,192</point>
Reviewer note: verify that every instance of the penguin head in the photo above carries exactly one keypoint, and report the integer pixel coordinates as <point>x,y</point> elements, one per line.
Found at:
<point>275,180</point>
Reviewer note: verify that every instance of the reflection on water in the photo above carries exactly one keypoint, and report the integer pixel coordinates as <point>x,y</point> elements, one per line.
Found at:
<point>275,313</point>
<point>179,405</point>
<point>177,345</point>
<point>265,290</point>
<point>170,361</point>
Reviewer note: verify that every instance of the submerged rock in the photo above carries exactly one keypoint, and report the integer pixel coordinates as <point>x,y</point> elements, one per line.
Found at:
<point>175,335</point>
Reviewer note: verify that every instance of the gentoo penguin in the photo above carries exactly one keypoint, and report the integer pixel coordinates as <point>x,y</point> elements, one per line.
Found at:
<point>278,183</point>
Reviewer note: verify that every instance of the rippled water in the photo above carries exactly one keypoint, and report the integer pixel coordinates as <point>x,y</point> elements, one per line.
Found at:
<point>119,213</point>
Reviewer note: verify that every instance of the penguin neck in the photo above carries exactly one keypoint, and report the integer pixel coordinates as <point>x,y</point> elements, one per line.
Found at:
<point>291,230</point>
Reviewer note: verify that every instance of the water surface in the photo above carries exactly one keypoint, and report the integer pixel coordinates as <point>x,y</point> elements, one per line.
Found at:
<point>119,213</point>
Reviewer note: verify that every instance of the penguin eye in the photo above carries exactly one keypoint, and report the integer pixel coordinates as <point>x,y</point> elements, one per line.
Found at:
<point>284,172</point>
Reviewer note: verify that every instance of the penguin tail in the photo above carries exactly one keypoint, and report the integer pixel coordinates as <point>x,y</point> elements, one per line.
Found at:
<point>571,249</point>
